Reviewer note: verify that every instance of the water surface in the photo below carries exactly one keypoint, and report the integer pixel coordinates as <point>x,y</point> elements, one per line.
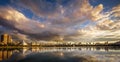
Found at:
<point>61,54</point>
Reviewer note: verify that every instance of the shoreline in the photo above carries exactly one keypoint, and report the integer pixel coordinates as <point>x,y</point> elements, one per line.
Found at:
<point>59,46</point>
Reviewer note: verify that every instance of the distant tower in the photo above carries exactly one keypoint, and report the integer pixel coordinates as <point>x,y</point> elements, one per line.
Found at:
<point>5,38</point>
<point>106,43</point>
<point>9,39</point>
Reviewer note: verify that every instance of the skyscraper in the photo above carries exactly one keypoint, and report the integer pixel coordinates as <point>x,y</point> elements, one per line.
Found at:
<point>6,39</point>
<point>9,40</point>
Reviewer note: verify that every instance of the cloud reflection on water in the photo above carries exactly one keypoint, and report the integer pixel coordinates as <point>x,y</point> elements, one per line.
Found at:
<point>74,54</point>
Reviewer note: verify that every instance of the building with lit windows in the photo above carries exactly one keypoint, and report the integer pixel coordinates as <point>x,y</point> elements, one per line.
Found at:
<point>6,39</point>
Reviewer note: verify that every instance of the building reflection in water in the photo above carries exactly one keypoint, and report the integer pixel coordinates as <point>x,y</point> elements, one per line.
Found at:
<point>7,53</point>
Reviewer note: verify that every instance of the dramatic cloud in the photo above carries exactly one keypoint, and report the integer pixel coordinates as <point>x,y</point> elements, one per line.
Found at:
<point>61,20</point>
<point>10,18</point>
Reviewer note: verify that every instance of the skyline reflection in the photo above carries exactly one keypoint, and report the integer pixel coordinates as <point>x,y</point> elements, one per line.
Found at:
<point>63,54</point>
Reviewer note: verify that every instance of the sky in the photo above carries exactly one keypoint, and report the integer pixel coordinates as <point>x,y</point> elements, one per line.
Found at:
<point>66,20</point>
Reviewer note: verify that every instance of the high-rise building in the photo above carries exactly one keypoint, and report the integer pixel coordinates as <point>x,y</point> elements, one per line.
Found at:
<point>6,39</point>
<point>9,39</point>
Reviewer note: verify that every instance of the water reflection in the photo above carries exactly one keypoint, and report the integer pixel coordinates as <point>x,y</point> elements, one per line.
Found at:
<point>5,54</point>
<point>61,54</point>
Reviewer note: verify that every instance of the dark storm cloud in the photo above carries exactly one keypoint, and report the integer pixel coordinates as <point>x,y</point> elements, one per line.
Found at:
<point>6,24</point>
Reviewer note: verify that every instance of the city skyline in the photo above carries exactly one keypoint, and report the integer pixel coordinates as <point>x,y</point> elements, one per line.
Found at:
<point>7,41</point>
<point>64,20</point>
